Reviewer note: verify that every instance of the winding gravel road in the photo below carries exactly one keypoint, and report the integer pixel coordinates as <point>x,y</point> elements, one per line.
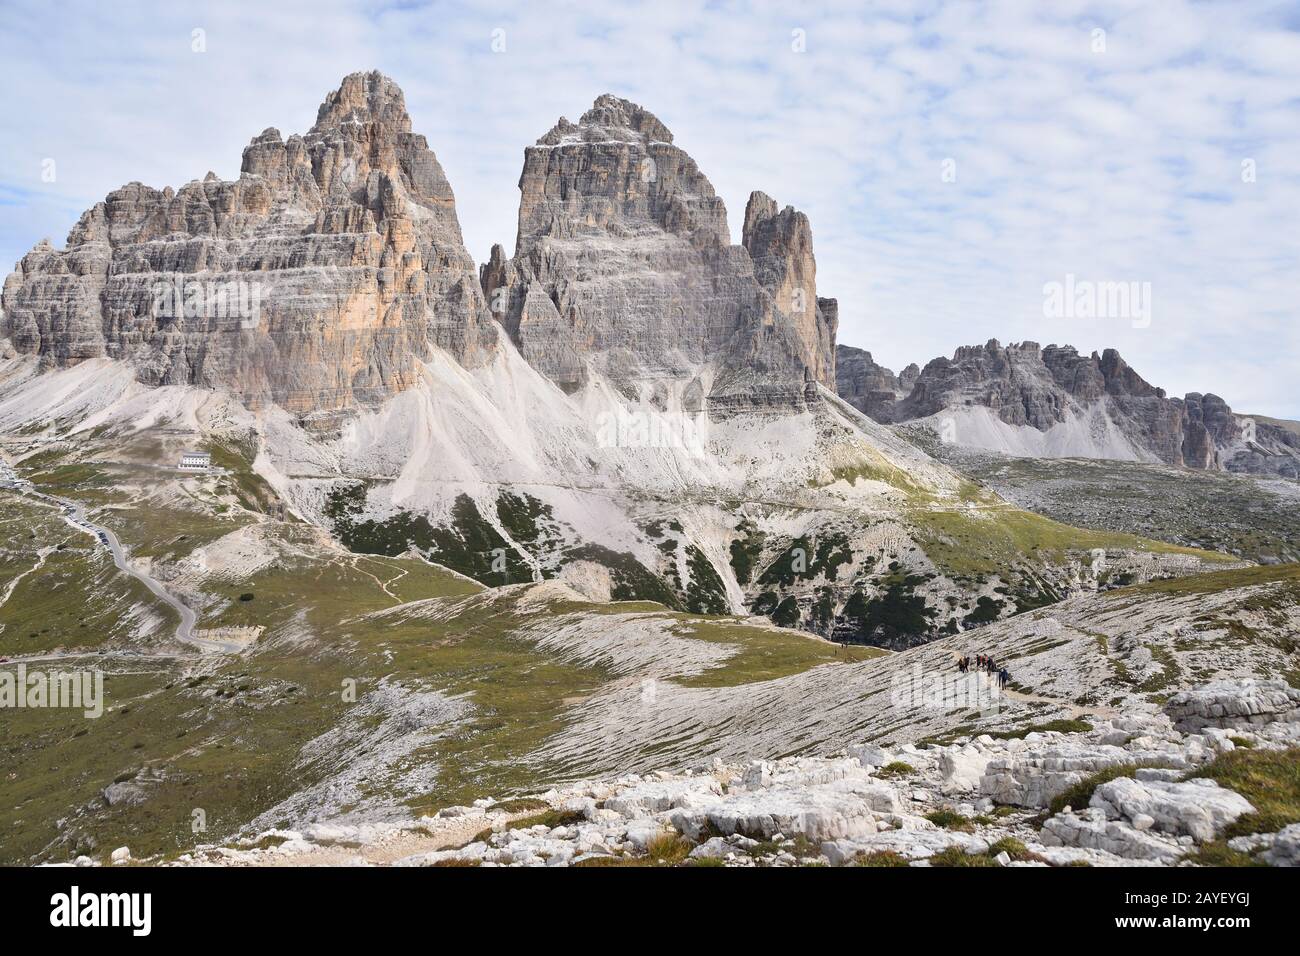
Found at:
<point>75,514</point>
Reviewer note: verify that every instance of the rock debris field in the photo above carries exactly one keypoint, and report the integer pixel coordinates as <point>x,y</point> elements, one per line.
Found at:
<point>1141,789</point>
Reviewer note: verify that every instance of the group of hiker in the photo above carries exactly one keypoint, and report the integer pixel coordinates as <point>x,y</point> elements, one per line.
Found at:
<point>985,663</point>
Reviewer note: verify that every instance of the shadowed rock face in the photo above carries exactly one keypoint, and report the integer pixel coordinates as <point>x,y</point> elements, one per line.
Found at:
<point>1025,384</point>
<point>623,265</point>
<point>868,387</point>
<point>313,281</point>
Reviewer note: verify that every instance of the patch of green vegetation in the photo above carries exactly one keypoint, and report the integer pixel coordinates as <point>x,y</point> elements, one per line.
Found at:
<point>550,818</point>
<point>956,856</point>
<point>1233,514</point>
<point>705,594</point>
<point>899,614</point>
<point>1269,779</point>
<point>73,599</point>
<point>746,550</point>
<point>520,805</point>
<point>668,849</point>
<point>93,484</point>
<point>616,860</point>
<point>986,611</point>
<point>822,612</point>
<point>949,820</point>
<point>786,614</point>
<point>630,579</point>
<point>166,534</point>
<point>470,544</point>
<point>1063,726</point>
<point>802,561</point>
<point>1012,848</point>
<point>1218,853</point>
<point>1216,581</point>
<point>1079,795</point>
<point>524,518</point>
<point>248,487</point>
<point>875,467</point>
<point>764,653</point>
<point>881,858</point>
<point>967,543</point>
<point>202,745</point>
<point>895,768</point>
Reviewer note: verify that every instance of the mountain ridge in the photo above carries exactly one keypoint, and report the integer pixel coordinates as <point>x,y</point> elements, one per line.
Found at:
<point>995,398</point>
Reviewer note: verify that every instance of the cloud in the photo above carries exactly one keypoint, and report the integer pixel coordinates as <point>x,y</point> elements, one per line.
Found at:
<point>1117,164</point>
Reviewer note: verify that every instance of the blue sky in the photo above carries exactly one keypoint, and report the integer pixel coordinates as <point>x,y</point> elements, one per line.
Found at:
<point>954,157</point>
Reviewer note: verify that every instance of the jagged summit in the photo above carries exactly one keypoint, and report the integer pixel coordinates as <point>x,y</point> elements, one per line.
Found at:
<point>1053,401</point>
<point>349,237</point>
<point>364,98</point>
<point>610,119</point>
<point>624,267</point>
<point>314,281</point>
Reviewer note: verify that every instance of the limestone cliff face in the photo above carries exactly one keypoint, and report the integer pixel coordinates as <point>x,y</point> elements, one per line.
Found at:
<point>869,387</point>
<point>314,280</point>
<point>623,265</point>
<point>1025,384</point>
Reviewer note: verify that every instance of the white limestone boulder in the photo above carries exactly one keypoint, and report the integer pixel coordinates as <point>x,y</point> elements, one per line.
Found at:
<point>1276,849</point>
<point>1233,704</point>
<point>909,844</point>
<point>818,814</point>
<point>1089,829</point>
<point>1198,808</point>
<point>658,796</point>
<point>962,768</point>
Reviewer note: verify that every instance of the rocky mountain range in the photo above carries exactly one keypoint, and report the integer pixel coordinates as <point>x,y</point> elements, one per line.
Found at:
<point>1026,399</point>
<point>623,557</point>
<point>629,401</point>
<point>313,282</point>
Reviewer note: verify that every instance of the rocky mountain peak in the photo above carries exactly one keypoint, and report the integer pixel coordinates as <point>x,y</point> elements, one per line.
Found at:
<point>610,119</point>
<point>314,281</point>
<point>779,242</point>
<point>624,266</point>
<point>364,98</point>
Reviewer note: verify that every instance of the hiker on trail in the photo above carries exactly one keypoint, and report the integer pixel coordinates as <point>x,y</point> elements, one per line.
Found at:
<point>1004,676</point>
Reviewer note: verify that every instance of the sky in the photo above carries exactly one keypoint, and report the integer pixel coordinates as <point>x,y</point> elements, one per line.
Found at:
<point>961,163</point>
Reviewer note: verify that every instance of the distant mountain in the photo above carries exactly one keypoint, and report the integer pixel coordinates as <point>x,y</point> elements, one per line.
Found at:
<point>1024,399</point>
